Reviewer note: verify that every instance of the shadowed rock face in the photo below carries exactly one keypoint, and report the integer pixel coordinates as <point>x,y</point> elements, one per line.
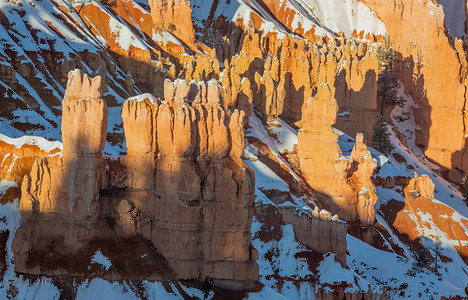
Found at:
<point>183,186</point>
<point>202,191</point>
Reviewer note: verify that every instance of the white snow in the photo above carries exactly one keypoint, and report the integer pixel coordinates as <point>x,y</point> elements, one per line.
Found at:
<point>329,16</point>
<point>41,142</point>
<point>99,258</point>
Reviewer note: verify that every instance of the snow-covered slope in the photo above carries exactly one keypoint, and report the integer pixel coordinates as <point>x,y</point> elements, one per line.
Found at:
<point>324,17</point>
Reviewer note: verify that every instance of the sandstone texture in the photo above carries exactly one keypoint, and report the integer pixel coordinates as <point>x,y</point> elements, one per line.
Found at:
<point>346,180</point>
<point>434,73</point>
<point>318,230</point>
<point>174,16</point>
<point>183,186</point>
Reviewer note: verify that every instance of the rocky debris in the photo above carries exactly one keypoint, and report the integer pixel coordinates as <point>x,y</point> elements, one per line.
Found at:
<point>345,180</point>
<point>183,185</point>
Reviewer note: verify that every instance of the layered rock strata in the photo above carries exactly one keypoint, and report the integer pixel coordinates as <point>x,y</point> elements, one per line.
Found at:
<point>58,198</point>
<point>345,179</point>
<point>203,192</point>
<point>183,187</point>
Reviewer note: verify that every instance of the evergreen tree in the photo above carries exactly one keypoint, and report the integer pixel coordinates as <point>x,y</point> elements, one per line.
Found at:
<point>437,252</point>
<point>207,286</point>
<point>422,259</point>
<point>387,76</point>
<point>381,137</point>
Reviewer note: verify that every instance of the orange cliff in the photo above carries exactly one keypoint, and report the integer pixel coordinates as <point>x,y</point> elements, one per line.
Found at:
<point>176,17</point>
<point>434,73</point>
<point>283,78</point>
<point>345,180</point>
<point>183,188</point>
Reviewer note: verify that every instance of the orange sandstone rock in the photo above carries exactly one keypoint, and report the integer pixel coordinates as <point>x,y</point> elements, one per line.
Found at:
<point>175,16</point>
<point>345,180</point>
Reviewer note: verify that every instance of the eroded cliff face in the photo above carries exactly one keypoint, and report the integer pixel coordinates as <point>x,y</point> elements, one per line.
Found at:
<point>346,180</point>
<point>174,16</point>
<point>59,197</point>
<point>203,192</point>
<point>183,188</point>
<point>295,68</point>
<point>434,73</point>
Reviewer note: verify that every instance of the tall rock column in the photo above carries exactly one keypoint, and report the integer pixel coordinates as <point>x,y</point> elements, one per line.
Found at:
<point>360,180</point>
<point>84,130</point>
<point>346,180</point>
<point>320,157</point>
<point>139,116</point>
<point>70,185</point>
<point>60,197</point>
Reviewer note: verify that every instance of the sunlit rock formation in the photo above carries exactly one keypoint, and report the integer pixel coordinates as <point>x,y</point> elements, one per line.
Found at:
<point>434,73</point>
<point>174,16</point>
<point>346,180</point>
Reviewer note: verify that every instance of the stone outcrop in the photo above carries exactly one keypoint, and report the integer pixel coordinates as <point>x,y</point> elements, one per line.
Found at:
<point>346,180</point>
<point>289,72</point>
<point>318,230</point>
<point>174,16</point>
<point>183,186</point>
<point>412,219</point>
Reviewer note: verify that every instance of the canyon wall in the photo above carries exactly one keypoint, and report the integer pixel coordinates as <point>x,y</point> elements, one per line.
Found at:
<point>174,16</point>
<point>434,73</point>
<point>295,68</point>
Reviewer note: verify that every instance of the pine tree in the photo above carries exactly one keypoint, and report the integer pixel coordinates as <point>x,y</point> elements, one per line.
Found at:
<point>381,138</point>
<point>437,252</point>
<point>207,286</point>
<point>422,259</point>
<point>387,76</point>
